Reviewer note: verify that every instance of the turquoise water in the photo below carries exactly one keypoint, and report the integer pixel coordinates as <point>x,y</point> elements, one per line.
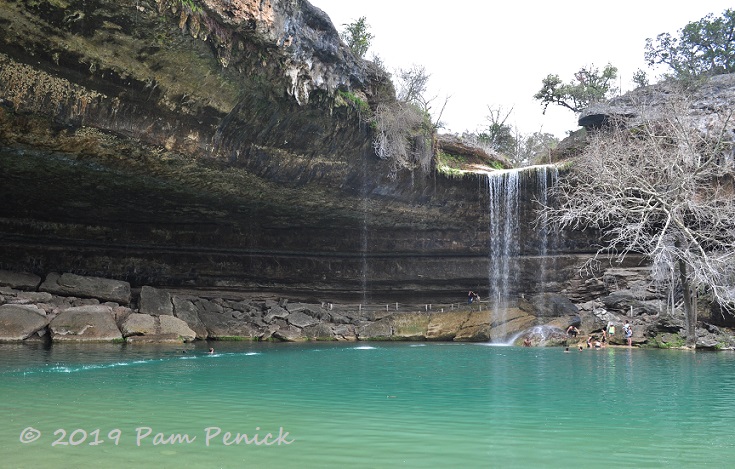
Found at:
<point>364,406</point>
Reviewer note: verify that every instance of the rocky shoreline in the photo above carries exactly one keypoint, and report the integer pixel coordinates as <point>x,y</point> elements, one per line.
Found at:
<point>72,308</point>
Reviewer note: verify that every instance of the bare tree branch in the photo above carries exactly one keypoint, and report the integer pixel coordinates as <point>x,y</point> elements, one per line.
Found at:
<point>663,189</point>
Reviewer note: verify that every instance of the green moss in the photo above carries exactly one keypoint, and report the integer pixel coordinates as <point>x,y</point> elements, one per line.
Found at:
<point>346,97</point>
<point>450,164</point>
<point>667,341</point>
<point>190,5</point>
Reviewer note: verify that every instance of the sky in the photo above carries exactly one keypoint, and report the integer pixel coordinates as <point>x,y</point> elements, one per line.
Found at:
<point>495,54</point>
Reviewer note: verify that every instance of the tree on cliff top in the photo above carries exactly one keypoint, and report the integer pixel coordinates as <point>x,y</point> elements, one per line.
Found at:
<point>357,36</point>
<point>665,190</point>
<point>704,47</point>
<point>589,85</point>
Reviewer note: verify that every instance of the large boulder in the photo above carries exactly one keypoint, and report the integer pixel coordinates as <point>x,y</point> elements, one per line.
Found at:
<point>87,287</point>
<point>19,322</point>
<point>379,330</point>
<point>155,302</point>
<point>169,325</point>
<point>144,328</point>
<point>548,305</point>
<point>138,324</point>
<point>19,280</point>
<point>92,323</point>
<point>185,310</point>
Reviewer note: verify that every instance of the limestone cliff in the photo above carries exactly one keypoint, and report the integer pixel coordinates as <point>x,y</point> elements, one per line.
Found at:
<point>210,144</point>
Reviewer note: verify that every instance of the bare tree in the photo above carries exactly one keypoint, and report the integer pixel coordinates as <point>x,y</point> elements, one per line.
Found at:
<point>412,85</point>
<point>664,189</point>
<point>402,136</point>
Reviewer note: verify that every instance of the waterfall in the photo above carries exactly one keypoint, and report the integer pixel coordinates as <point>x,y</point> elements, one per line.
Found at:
<point>504,241</point>
<point>506,190</point>
<point>546,177</point>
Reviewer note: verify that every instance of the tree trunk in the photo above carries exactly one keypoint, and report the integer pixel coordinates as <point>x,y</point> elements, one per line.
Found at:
<point>690,306</point>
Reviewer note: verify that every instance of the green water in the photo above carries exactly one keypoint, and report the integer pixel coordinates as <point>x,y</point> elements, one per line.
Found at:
<point>364,406</point>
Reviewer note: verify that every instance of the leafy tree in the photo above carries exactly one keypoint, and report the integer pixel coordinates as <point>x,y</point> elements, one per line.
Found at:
<point>498,135</point>
<point>589,85</point>
<point>704,47</point>
<point>640,78</point>
<point>664,190</point>
<point>357,36</point>
<point>535,148</point>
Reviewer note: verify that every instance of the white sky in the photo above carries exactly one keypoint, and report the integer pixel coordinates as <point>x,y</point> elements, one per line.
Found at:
<point>495,53</point>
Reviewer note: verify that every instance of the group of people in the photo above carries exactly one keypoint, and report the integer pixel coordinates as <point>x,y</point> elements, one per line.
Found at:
<point>604,338</point>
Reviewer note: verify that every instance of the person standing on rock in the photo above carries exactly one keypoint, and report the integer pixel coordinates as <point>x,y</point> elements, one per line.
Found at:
<point>628,332</point>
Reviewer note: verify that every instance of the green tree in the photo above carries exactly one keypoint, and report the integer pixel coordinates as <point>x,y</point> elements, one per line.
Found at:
<point>498,135</point>
<point>357,36</point>
<point>589,85</point>
<point>640,78</point>
<point>704,47</point>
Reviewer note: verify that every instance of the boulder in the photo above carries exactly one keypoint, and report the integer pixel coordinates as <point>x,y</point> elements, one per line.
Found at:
<point>155,302</point>
<point>319,331</point>
<point>87,287</point>
<point>144,328</point>
<point>19,322</point>
<point>221,324</point>
<point>345,332</point>
<point>275,312</point>
<point>379,330</point>
<point>315,311</point>
<point>30,297</point>
<point>93,323</point>
<point>548,305</point>
<point>185,310</point>
<point>19,280</point>
<point>138,324</point>
<point>169,325</point>
<point>301,320</point>
<point>288,333</point>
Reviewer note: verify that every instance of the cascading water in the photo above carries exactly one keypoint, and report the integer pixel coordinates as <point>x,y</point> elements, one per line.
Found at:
<point>504,242</point>
<point>506,189</point>
<point>546,177</point>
